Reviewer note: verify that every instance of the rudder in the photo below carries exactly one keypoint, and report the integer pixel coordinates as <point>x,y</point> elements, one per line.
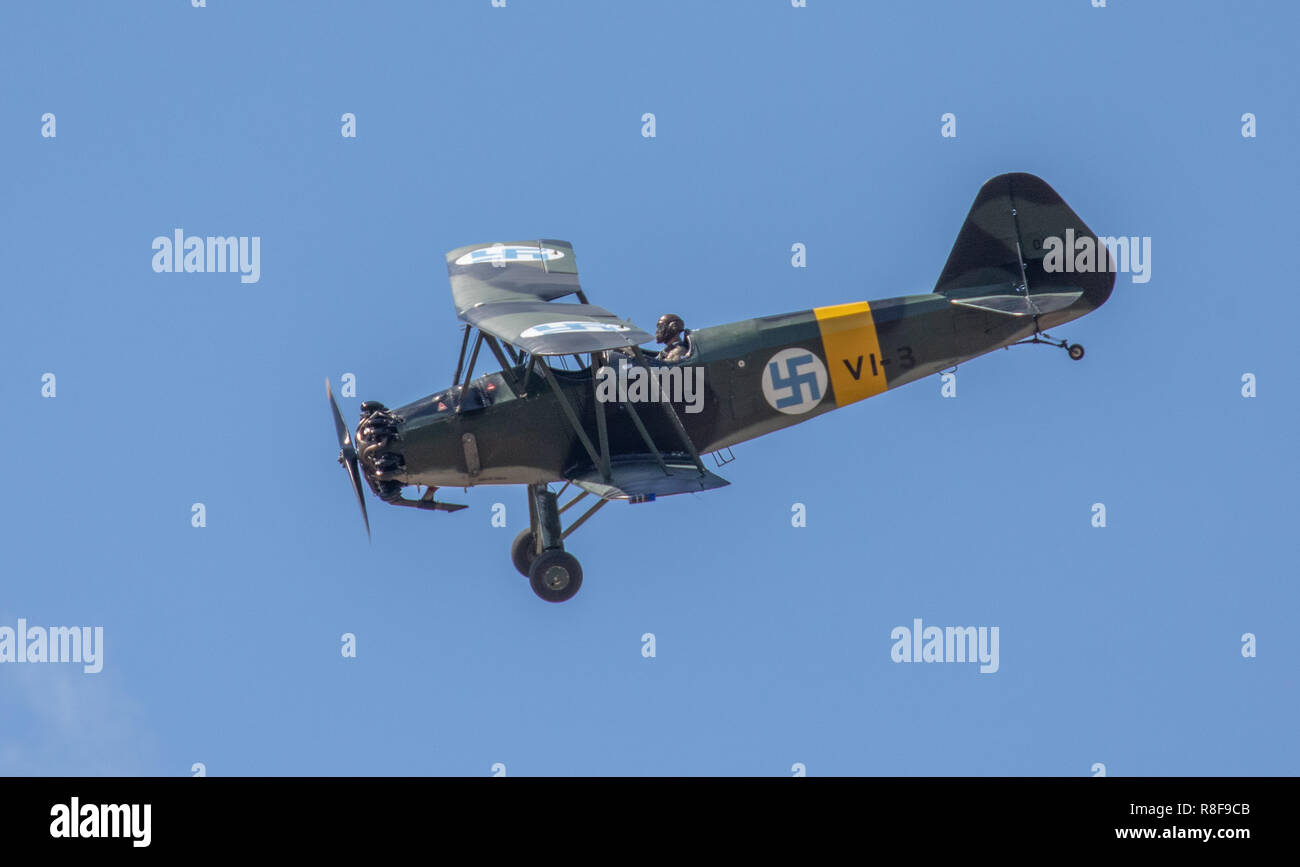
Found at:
<point>1019,211</point>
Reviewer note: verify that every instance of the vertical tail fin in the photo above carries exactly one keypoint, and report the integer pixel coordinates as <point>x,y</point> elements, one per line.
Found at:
<point>998,260</point>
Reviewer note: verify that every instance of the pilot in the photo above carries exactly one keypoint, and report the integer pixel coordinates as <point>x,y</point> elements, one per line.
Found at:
<point>671,332</point>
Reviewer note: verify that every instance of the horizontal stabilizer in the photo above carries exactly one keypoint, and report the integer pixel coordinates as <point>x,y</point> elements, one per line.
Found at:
<point>641,477</point>
<point>1037,304</point>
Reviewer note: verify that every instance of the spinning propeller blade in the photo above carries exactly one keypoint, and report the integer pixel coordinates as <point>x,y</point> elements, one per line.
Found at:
<point>348,456</point>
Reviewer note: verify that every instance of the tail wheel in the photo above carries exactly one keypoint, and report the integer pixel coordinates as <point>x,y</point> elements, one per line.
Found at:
<point>555,575</point>
<point>1075,350</point>
<point>523,551</point>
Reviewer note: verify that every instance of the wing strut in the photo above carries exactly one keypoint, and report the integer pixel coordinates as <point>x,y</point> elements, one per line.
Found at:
<point>645,437</point>
<point>601,459</point>
<point>469,371</point>
<point>602,429</point>
<point>671,412</point>
<point>460,362</point>
<point>506,369</point>
<point>570,414</point>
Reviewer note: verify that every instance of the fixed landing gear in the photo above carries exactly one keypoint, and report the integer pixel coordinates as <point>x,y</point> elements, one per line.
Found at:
<point>1074,350</point>
<point>523,551</point>
<point>538,552</point>
<point>555,575</point>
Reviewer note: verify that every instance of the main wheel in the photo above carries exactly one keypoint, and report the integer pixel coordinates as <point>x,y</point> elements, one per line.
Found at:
<point>523,551</point>
<point>1076,351</point>
<point>555,575</point>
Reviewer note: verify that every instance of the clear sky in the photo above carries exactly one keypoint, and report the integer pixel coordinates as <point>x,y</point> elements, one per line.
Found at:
<point>1119,645</point>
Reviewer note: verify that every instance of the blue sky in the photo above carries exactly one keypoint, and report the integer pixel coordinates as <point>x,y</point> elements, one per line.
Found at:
<point>1118,645</point>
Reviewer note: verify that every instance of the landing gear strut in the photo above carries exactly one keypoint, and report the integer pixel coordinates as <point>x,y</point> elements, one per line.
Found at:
<point>538,552</point>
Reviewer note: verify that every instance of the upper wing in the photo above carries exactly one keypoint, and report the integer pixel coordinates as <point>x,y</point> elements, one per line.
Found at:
<point>515,271</point>
<point>507,290</point>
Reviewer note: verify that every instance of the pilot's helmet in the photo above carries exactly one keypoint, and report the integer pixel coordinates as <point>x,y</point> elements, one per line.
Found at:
<point>670,325</point>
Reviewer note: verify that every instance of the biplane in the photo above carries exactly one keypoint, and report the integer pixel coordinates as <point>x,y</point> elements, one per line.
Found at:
<point>575,397</point>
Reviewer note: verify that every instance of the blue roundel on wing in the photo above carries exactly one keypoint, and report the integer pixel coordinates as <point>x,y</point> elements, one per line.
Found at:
<point>571,328</point>
<point>507,253</point>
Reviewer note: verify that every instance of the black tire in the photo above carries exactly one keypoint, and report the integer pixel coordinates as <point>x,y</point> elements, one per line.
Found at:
<point>523,552</point>
<point>1076,351</point>
<point>555,576</point>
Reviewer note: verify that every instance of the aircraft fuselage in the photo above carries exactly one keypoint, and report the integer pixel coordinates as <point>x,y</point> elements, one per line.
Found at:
<point>759,375</point>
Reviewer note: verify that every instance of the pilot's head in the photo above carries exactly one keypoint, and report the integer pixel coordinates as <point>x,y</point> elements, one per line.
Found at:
<point>670,326</point>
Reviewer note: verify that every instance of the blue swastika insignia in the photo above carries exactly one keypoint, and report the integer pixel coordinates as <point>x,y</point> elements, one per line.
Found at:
<point>795,381</point>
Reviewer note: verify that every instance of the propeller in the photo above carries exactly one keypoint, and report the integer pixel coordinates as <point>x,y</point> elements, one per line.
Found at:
<point>348,456</point>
